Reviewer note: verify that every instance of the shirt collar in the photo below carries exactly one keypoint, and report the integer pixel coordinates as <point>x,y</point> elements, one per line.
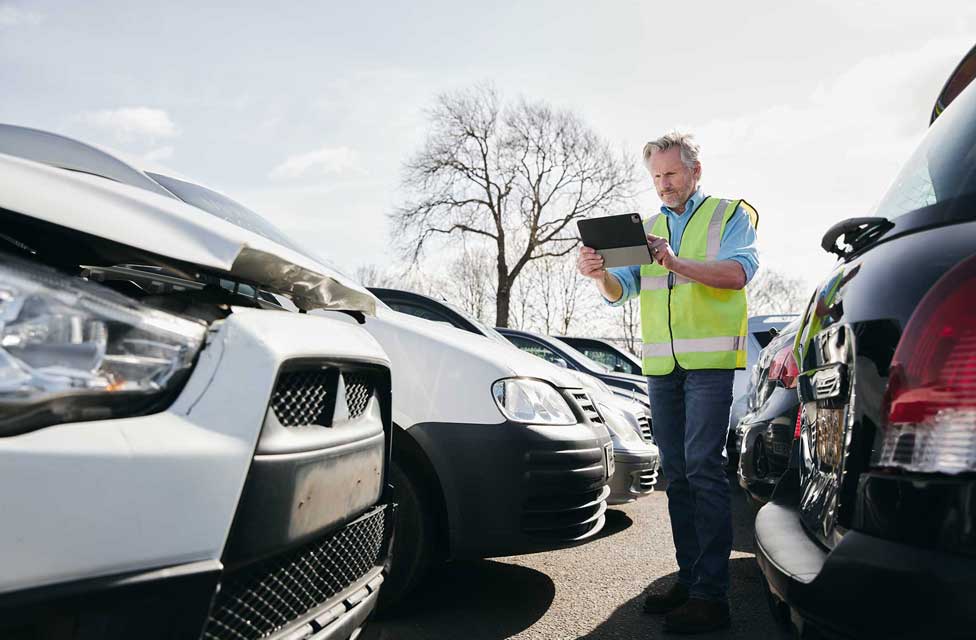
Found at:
<point>694,201</point>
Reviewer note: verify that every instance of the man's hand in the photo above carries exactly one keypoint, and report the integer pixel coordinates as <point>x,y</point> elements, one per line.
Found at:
<point>661,251</point>
<point>590,264</point>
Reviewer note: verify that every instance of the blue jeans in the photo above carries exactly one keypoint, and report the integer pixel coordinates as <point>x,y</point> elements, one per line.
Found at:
<point>690,410</point>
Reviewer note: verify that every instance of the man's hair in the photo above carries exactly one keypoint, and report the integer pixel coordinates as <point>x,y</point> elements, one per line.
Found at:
<point>684,141</point>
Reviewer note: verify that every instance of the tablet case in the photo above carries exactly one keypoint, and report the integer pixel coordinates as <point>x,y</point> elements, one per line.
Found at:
<point>619,239</point>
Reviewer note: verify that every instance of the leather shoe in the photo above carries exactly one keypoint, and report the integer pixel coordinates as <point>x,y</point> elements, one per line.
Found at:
<point>670,600</point>
<point>698,616</point>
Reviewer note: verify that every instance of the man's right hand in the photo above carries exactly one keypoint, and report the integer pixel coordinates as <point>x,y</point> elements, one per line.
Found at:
<point>590,264</point>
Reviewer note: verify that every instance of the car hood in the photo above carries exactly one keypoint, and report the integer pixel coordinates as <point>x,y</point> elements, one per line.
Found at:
<point>506,358</point>
<point>171,229</point>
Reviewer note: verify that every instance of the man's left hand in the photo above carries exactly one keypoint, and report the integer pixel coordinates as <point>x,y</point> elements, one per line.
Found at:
<point>661,251</point>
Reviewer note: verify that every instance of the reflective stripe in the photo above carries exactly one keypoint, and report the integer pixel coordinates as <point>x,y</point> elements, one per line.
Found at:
<point>715,229</point>
<point>695,345</point>
<point>656,283</point>
<point>649,223</point>
<point>656,350</point>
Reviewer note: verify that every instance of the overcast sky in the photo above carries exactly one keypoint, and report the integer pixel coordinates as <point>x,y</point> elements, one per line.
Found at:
<point>306,111</point>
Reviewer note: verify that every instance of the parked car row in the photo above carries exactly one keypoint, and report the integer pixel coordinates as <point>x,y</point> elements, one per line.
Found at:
<point>210,432</point>
<point>871,529</point>
<point>624,408</point>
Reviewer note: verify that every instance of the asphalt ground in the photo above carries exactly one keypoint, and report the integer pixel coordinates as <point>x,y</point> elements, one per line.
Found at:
<point>594,591</point>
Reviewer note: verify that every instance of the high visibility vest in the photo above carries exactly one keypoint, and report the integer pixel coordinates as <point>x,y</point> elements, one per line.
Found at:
<point>683,321</point>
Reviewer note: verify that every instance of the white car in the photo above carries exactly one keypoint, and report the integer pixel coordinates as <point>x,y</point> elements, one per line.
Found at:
<point>179,456</point>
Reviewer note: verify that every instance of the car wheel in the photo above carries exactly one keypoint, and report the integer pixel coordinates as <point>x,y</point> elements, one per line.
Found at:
<point>411,556</point>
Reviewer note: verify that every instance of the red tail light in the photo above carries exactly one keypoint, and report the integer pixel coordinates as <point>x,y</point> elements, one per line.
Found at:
<point>783,368</point>
<point>799,422</point>
<point>929,413</point>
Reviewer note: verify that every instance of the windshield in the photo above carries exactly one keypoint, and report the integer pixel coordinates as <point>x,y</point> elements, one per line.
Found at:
<point>944,165</point>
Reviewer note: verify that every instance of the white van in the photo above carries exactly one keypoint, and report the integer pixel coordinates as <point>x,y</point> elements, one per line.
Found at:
<point>179,456</point>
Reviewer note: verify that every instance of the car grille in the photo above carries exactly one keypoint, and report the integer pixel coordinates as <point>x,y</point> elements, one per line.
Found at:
<point>563,517</point>
<point>645,427</point>
<point>307,397</point>
<point>647,480</point>
<point>359,390</point>
<point>587,407</point>
<point>262,599</point>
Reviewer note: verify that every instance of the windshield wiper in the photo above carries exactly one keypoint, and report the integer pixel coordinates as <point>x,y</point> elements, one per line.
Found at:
<point>856,233</point>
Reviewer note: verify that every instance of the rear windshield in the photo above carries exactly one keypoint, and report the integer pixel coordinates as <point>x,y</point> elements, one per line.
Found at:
<point>944,165</point>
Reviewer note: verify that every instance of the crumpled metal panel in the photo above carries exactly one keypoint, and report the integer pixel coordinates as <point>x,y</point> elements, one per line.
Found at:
<point>308,289</point>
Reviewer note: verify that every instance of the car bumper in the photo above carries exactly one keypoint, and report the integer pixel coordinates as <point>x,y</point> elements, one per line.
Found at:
<point>513,488</point>
<point>866,586</point>
<point>634,476</point>
<point>146,503</point>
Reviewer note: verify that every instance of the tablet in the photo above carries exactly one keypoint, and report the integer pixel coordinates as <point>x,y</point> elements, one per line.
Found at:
<point>619,239</point>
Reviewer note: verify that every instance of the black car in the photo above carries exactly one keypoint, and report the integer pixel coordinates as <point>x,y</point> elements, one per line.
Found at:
<point>764,437</point>
<point>558,352</point>
<point>875,535</point>
<point>606,353</point>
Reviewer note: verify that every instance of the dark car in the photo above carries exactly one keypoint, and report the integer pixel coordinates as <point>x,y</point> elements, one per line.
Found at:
<point>606,353</point>
<point>875,535</point>
<point>764,437</point>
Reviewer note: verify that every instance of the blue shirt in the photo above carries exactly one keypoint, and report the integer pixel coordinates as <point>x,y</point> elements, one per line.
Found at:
<point>738,243</point>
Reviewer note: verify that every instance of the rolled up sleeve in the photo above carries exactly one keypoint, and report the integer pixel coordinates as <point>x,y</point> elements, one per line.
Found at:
<point>629,278</point>
<point>739,243</point>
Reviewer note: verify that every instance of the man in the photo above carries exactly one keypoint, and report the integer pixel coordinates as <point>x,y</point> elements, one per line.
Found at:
<point>693,326</point>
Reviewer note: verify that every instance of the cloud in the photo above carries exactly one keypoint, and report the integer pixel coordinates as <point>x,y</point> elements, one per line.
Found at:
<point>13,16</point>
<point>159,154</point>
<point>132,124</point>
<point>322,162</point>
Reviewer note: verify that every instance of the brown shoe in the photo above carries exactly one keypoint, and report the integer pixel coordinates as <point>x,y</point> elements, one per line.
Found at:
<point>698,616</point>
<point>670,600</point>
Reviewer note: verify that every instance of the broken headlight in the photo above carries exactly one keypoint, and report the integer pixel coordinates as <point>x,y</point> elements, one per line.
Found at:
<point>72,350</point>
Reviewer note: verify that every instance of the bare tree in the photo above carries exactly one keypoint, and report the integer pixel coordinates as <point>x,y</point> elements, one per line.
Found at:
<point>630,325</point>
<point>774,292</point>
<point>556,296</point>
<point>471,282</point>
<point>514,175</point>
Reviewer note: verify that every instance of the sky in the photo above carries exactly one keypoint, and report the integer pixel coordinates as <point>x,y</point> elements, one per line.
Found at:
<point>306,112</point>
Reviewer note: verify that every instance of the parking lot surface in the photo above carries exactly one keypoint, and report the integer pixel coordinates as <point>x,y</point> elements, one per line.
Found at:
<point>594,591</point>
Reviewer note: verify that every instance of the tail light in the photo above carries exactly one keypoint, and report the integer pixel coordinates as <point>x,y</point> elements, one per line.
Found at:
<point>799,422</point>
<point>783,368</point>
<point>929,412</point>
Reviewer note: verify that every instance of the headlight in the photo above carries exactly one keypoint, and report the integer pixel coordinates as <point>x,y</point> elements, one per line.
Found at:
<point>622,424</point>
<point>72,350</point>
<point>531,401</point>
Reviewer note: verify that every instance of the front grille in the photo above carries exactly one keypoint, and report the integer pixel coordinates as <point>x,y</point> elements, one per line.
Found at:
<point>587,407</point>
<point>303,398</point>
<point>565,517</point>
<point>359,389</point>
<point>262,599</point>
<point>647,480</point>
<point>307,397</point>
<point>645,427</point>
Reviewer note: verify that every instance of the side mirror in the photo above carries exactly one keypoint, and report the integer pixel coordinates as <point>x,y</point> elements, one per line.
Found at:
<point>960,78</point>
<point>619,368</point>
<point>559,362</point>
<point>773,332</point>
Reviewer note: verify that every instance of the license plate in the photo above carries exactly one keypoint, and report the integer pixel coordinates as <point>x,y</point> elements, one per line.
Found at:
<point>608,459</point>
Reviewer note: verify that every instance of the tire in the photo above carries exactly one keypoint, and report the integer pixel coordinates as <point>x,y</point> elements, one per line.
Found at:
<point>411,556</point>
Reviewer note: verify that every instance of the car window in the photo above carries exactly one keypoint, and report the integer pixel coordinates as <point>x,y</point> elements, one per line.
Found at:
<point>536,349</point>
<point>420,312</point>
<point>943,166</point>
<point>611,359</point>
<point>580,357</point>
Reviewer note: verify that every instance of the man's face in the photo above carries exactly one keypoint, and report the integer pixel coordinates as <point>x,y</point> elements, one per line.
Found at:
<point>674,181</point>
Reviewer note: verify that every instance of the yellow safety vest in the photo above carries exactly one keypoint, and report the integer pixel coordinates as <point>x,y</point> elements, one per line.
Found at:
<point>683,321</point>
